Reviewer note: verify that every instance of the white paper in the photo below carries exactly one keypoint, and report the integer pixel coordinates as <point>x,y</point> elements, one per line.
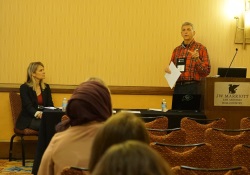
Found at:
<point>154,109</point>
<point>130,111</point>
<point>48,107</point>
<point>173,77</point>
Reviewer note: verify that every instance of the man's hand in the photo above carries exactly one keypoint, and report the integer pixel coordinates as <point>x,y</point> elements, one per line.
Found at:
<point>167,70</point>
<point>39,114</point>
<point>195,54</point>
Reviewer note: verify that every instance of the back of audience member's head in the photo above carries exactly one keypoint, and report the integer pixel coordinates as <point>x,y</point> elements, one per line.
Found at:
<point>131,158</point>
<point>118,128</point>
<point>90,101</point>
<point>96,79</point>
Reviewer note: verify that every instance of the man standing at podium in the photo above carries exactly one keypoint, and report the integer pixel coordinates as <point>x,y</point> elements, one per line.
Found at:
<point>191,58</point>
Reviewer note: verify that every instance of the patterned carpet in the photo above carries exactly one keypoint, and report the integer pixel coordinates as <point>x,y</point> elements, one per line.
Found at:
<point>15,167</point>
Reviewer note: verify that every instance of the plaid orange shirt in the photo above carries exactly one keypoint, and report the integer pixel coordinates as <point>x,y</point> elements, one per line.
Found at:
<point>194,70</point>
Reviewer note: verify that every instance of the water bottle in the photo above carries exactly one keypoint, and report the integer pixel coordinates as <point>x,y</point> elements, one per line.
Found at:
<point>163,105</point>
<point>64,104</point>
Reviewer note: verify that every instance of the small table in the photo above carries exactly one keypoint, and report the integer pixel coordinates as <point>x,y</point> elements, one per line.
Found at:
<point>47,130</point>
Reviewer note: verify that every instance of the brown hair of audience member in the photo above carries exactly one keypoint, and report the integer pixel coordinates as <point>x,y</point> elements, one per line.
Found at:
<point>131,158</point>
<point>118,128</point>
<point>90,101</point>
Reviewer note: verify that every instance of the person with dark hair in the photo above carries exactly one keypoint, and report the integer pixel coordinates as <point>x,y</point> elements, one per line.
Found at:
<point>88,108</point>
<point>35,95</point>
<point>192,60</point>
<point>118,128</point>
<point>131,158</point>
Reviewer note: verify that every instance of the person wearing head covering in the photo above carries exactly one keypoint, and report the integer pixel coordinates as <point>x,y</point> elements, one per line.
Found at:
<point>88,108</point>
<point>35,94</point>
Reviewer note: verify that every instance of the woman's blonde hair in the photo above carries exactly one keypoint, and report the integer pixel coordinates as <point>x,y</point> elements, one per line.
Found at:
<point>30,79</point>
<point>118,128</point>
<point>132,158</point>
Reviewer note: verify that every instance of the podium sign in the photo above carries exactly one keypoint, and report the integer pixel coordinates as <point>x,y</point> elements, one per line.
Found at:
<point>231,93</point>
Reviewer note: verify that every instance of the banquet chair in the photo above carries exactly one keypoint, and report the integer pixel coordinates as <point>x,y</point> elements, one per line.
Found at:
<point>242,171</point>
<point>223,144</point>
<point>74,171</point>
<point>178,170</point>
<point>245,123</point>
<point>16,107</point>
<point>187,170</point>
<point>176,136</point>
<point>160,122</point>
<point>241,155</point>
<point>64,117</point>
<point>195,131</point>
<point>198,155</point>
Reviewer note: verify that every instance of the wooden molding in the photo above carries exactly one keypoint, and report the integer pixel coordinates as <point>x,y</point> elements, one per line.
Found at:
<point>123,90</point>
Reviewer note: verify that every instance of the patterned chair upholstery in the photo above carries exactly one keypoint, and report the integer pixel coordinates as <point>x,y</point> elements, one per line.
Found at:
<point>195,131</point>
<point>186,170</point>
<point>223,144</point>
<point>242,171</point>
<point>177,170</point>
<point>64,117</point>
<point>245,123</point>
<point>177,136</point>
<point>158,123</point>
<point>241,155</point>
<point>199,155</point>
<point>73,171</point>
<point>16,107</point>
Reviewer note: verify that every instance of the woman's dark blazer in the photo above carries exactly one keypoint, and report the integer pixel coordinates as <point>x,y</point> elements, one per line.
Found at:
<point>30,104</point>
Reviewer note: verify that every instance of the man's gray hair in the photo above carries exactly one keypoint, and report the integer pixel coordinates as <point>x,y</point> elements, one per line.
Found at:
<point>188,24</point>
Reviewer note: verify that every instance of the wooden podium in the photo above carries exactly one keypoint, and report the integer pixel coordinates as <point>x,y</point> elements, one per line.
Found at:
<point>226,97</point>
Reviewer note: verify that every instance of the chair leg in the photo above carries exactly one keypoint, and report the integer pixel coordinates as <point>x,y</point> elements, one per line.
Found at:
<point>23,152</point>
<point>11,146</point>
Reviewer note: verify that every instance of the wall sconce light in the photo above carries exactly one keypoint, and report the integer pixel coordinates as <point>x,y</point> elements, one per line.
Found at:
<point>247,5</point>
<point>242,34</point>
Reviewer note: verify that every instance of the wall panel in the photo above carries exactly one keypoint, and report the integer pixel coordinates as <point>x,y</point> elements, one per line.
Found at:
<point>125,42</point>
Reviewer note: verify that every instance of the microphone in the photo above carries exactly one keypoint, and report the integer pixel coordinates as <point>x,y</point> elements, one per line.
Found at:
<point>231,61</point>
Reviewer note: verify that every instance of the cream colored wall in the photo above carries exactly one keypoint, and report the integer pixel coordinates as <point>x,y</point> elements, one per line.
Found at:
<point>125,42</point>
<point>119,101</point>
